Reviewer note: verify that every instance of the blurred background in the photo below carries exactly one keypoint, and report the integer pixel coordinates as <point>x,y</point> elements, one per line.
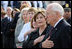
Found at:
<point>42,4</point>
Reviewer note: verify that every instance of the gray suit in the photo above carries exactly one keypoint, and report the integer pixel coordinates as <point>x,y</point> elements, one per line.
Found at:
<point>19,26</point>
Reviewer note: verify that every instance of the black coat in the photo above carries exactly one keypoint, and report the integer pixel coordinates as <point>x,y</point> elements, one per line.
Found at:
<point>32,37</point>
<point>69,21</point>
<point>61,35</point>
<point>8,36</point>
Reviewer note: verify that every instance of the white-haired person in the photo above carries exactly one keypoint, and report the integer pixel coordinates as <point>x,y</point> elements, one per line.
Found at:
<point>24,4</point>
<point>60,33</point>
<point>21,21</point>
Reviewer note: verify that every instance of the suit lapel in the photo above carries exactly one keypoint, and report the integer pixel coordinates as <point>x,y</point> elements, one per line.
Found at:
<point>57,28</point>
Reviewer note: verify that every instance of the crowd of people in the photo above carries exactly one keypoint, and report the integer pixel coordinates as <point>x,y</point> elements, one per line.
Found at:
<point>29,26</point>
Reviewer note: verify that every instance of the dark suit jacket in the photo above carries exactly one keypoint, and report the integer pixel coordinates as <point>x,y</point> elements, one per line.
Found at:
<point>61,35</point>
<point>69,21</point>
<point>8,36</point>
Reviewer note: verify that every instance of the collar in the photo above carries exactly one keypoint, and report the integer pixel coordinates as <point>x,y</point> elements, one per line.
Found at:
<point>9,18</point>
<point>57,22</point>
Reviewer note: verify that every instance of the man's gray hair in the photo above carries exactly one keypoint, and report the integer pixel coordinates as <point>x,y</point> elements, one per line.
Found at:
<point>57,7</point>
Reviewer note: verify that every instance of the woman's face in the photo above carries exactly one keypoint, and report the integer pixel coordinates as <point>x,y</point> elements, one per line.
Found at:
<point>25,17</point>
<point>40,19</point>
<point>31,14</point>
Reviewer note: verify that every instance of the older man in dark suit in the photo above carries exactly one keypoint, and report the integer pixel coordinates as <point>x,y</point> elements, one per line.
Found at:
<point>5,26</point>
<point>60,34</point>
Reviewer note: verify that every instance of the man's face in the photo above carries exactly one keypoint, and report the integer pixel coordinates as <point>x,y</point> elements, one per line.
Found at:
<point>50,16</point>
<point>9,11</point>
<point>67,15</point>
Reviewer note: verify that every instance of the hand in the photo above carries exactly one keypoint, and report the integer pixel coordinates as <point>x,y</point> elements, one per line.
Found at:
<point>29,32</point>
<point>33,30</point>
<point>39,39</point>
<point>47,43</point>
<point>11,30</point>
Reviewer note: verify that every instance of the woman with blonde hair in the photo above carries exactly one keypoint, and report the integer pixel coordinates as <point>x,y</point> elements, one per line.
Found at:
<point>21,21</point>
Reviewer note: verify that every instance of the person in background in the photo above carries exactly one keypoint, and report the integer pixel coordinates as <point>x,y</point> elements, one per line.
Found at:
<point>15,14</point>
<point>20,23</point>
<point>7,35</point>
<point>23,16</point>
<point>2,17</point>
<point>67,15</point>
<point>13,24</point>
<point>15,10</point>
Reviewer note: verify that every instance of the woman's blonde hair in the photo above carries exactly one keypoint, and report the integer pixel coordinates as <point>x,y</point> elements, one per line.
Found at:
<point>24,9</point>
<point>33,9</point>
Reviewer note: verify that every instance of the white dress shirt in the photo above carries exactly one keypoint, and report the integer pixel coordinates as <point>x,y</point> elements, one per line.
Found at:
<point>9,18</point>
<point>25,29</point>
